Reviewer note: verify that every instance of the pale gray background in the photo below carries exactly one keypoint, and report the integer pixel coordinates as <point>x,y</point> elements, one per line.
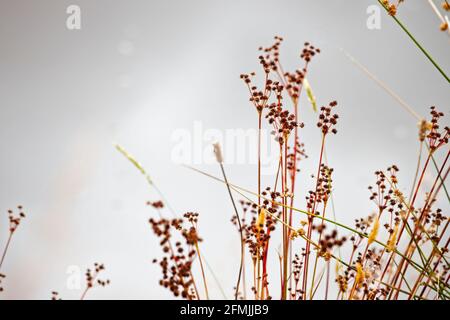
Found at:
<point>137,71</point>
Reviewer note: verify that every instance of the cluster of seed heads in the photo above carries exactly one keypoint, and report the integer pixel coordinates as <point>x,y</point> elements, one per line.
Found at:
<point>256,230</point>
<point>329,242</point>
<point>391,7</point>
<point>308,52</point>
<point>176,264</point>
<point>14,219</point>
<point>435,138</point>
<point>156,204</point>
<point>297,266</point>
<point>14,222</point>
<point>92,276</point>
<point>328,119</point>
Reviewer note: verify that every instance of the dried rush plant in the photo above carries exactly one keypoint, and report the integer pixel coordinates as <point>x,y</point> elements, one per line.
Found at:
<point>14,222</point>
<point>398,252</point>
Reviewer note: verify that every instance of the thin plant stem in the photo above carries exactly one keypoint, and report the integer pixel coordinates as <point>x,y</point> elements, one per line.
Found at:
<point>380,83</point>
<point>215,278</point>
<point>417,43</point>
<point>428,200</point>
<point>202,270</point>
<point>310,221</point>
<point>240,230</point>
<point>5,250</point>
<point>258,287</point>
<point>316,260</point>
<point>240,191</point>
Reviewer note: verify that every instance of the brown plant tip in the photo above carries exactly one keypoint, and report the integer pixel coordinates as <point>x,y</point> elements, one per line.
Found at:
<point>437,138</point>
<point>328,119</point>
<point>178,246</point>
<point>391,8</point>
<point>308,52</point>
<point>14,222</point>
<point>2,277</point>
<point>93,280</point>
<point>55,296</point>
<point>156,204</point>
<point>15,219</point>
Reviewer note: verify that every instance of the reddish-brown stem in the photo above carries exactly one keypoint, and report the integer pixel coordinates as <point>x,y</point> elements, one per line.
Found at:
<point>410,250</point>
<point>430,259</point>
<point>8,242</point>
<point>283,190</point>
<point>310,220</point>
<point>411,206</point>
<point>405,220</point>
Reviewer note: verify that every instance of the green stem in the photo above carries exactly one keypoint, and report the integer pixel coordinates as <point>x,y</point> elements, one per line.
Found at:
<point>417,43</point>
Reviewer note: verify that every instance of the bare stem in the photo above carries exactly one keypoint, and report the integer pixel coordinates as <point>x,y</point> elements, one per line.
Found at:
<point>417,43</point>
<point>6,249</point>
<point>240,231</point>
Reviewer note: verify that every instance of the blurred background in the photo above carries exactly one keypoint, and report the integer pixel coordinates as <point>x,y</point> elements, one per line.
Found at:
<point>136,72</point>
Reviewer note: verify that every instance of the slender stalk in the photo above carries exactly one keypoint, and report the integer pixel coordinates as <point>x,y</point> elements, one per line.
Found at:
<point>83,295</point>
<point>438,14</point>
<point>420,277</point>
<point>240,191</point>
<point>217,280</point>
<point>380,83</point>
<point>194,285</point>
<point>310,221</point>
<point>259,155</point>
<point>417,43</point>
<point>5,250</point>
<point>240,230</point>
<point>316,260</point>
<point>284,257</point>
<point>258,287</point>
<point>417,227</point>
<point>286,221</point>
<point>202,269</point>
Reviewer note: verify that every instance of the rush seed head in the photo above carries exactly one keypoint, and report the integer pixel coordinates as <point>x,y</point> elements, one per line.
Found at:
<point>218,152</point>
<point>327,118</point>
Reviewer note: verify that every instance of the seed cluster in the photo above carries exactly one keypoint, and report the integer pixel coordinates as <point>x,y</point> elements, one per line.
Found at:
<point>259,98</point>
<point>55,295</point>
<point>282,120</point>
<point>14,219</point>
<point>327,119</point>
<point>92,276</point>
<point>297,265</point>
<point>308,52</point>
<point>176,264</point>
<point>14,222</point>
<point>295,156</point>
<point>391,7</point>
<point>435,138</point>
<point>156,204</point>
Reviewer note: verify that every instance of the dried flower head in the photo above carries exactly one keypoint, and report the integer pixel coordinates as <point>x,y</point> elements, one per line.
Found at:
<point>93,280</point>
<point>328,119</point>
<point>178,245</point>
<point>218,152</point>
